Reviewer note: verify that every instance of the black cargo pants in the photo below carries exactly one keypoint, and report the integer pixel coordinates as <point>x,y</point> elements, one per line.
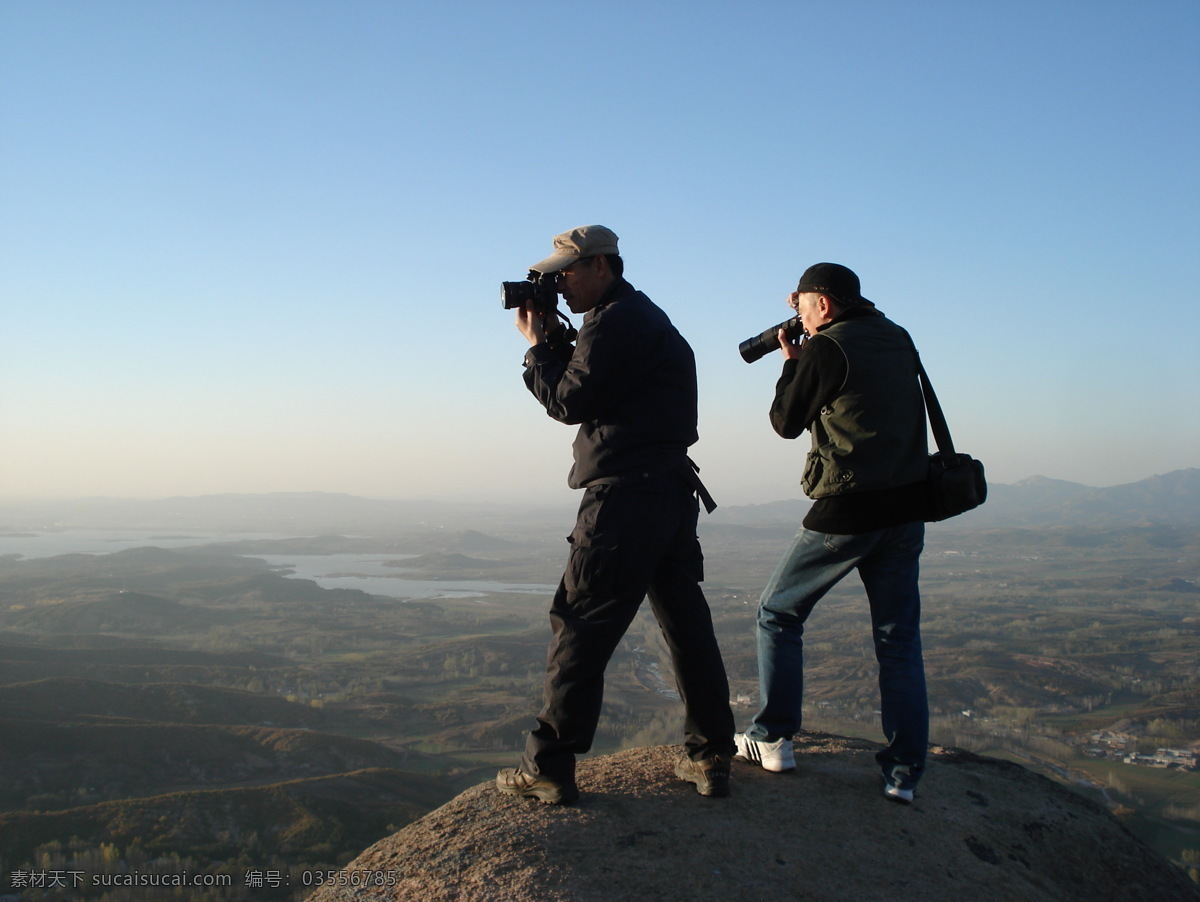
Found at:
<point>630,542</point>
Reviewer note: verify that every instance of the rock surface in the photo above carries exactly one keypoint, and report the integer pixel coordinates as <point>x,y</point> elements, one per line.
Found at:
<point>980,828</point>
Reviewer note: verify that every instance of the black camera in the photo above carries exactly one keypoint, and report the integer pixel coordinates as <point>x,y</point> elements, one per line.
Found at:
<point>765,342</point>
<point>538,288</point>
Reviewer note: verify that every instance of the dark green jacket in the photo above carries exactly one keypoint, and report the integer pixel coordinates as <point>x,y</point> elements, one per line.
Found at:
<point>855,388</point>
<point>871,435</point>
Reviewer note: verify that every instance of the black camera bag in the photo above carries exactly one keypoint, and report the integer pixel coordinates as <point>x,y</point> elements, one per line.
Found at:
<point>955,482</point>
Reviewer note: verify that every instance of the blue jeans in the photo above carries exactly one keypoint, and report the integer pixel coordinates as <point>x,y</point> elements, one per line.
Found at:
<point>887,562</point>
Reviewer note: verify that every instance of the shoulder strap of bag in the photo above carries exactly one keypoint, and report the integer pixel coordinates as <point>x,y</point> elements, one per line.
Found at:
<point>937,420</point>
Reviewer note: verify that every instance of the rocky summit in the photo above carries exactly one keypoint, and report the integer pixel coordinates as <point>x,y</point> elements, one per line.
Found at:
<point>980,828</point>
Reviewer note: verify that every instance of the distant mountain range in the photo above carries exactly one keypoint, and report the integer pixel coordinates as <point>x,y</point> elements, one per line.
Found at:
<point>1172,499</point>
<point>1169,500</point>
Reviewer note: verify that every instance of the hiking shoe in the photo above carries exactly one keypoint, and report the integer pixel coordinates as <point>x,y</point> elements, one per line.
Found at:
<point>774,756</point>
<point>516,782</point>
<point>711,775</point>
<point>896,794</point>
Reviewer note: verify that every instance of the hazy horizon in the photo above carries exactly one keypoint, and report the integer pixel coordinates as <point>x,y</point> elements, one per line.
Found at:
<point>251,247</point>
<point>565,496</point>
<point>552,493</point>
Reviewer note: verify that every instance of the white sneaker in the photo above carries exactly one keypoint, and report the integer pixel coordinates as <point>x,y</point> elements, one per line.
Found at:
<point>774,756</point>
<point>896,794</point>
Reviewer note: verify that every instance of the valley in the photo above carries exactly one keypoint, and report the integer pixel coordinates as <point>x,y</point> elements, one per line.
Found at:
<point>201,709</point>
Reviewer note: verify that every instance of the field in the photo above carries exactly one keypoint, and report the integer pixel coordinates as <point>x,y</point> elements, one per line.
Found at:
<point>197,709</point>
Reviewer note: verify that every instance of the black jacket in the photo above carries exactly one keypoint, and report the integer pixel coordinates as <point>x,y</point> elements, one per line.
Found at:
<point>629,382</point>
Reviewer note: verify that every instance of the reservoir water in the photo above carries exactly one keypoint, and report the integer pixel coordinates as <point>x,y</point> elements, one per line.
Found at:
<point>368,573</point>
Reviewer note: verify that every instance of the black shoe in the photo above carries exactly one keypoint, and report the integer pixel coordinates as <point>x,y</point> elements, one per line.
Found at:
<point>518,783</point>
<point>710,775</point>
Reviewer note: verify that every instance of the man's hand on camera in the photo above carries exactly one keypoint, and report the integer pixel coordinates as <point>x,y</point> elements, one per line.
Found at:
<point>791,349</point>
<point>531,325</point>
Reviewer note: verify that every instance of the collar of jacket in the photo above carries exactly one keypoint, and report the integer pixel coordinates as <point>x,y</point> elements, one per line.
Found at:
<point>858,310</point>
<point>616,290</point>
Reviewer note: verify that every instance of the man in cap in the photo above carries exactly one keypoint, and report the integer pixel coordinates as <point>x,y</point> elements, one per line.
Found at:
<point>629,382</point>
<point>852,382</point>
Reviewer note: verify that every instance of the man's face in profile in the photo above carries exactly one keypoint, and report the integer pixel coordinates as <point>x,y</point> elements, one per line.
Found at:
<point>583,283</point>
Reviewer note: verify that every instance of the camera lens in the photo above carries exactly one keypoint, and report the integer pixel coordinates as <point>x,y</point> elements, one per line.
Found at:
<point>516,294</point>
<point>764,343</point>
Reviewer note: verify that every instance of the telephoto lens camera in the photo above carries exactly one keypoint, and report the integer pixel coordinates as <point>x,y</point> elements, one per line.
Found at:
<point>765,342</point>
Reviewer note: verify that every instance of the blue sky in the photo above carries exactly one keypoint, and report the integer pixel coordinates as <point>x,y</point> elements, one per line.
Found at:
<point>256,246</point>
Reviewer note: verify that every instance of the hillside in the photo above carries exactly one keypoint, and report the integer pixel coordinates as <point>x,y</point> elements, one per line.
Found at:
<point>299,821</point>
<point>130,680</point>
<point>90,763</point>
<point>67,699</point>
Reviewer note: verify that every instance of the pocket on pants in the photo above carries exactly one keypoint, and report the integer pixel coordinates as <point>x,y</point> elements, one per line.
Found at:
<point>591,567</point>
<point>688,560</point>
<point>838,544</point>
<point>813,469</point>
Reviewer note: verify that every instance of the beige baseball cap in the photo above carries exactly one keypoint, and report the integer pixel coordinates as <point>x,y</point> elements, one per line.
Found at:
<point>582,241</point>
